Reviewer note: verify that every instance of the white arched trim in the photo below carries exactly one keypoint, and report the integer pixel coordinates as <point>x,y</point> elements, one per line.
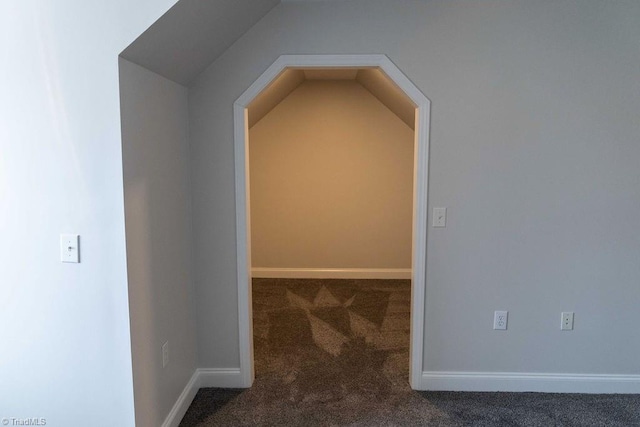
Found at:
<point>420,187</point>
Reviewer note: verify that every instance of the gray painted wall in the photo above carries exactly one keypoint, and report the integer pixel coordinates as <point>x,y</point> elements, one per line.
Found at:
<point>155,150</point>
<point>534,150</point>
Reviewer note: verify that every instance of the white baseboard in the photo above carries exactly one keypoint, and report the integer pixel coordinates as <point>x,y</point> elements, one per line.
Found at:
<point>220,377</point>
<point>184,401</point>
<point>522,382</point>
<point>331,273</point>
<point>437,381</point>
<point>202,377</point>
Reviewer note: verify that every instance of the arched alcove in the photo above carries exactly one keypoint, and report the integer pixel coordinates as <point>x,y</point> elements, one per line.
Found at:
<point>282,65</point>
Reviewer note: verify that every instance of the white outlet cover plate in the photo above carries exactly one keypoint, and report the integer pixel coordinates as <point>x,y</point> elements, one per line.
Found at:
<point>165,354</point>
<point>500,320</point>
<point>567,321</point>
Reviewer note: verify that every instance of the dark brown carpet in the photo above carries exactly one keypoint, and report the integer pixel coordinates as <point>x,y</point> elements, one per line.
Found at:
<point>336,352</point>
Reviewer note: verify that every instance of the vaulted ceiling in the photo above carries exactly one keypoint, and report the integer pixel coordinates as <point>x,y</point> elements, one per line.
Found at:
<point>193,34</point>
<point>372,79</point>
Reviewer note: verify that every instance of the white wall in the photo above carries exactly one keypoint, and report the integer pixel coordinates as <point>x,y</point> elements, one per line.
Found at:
<point>534,150</point>
<point>331,181</point>
<point>155,151</point>
<point>65,353</point>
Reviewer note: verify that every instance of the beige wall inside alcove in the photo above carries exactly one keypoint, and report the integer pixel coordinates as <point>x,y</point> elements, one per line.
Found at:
<point>331,181</point>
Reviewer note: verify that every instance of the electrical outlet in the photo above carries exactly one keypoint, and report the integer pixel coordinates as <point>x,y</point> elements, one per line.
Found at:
<point>567,321</point>
<point>165,354</point>
<point>500,319</point>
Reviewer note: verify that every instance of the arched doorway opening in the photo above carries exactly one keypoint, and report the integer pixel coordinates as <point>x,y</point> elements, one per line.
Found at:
<point>266,82</point>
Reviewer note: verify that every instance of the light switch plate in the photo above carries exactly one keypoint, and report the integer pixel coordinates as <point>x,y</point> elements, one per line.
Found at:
<point>70,248</point>
<point>439,217</point>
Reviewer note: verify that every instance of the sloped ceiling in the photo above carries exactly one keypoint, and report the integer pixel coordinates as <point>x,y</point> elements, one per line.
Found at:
<point>383,88</point>
<point>278,90</point>
<point>193,34</point>
<point>372,79</point>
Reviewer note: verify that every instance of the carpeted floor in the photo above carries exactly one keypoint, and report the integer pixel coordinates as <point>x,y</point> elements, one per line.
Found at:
<point>336,352</point>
